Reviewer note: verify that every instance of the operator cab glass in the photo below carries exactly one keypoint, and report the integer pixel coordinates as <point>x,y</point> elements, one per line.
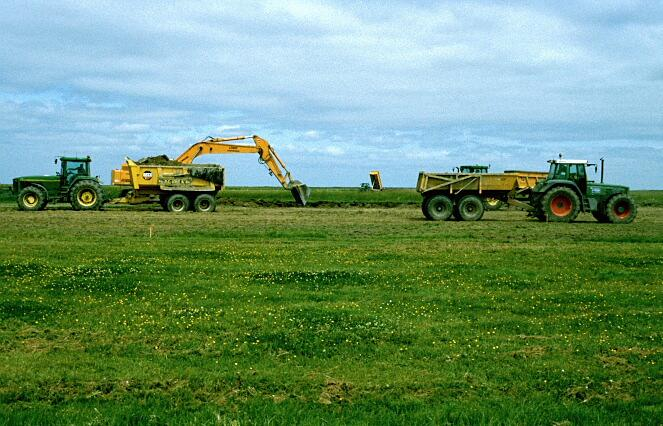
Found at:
<point>559,171</point>
<point>474,169</point>
<point>76,167</point>
<point>73,168</point>
<point>569,171</point>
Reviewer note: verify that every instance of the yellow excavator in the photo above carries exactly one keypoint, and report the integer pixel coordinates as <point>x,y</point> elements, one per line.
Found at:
<point>159,181</point>
<point>266,153</point>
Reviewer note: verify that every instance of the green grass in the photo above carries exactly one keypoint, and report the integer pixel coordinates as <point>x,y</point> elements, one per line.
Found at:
<point>328,315</point>
<point>332,197</point>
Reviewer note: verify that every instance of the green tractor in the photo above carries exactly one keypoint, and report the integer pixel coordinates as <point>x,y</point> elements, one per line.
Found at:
<point>567,192</point>
<point>73,184</point>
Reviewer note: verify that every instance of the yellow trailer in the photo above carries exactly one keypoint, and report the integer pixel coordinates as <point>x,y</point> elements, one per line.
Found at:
<point>464,194</point>
<point>176,187</point>
<point>376,180</point>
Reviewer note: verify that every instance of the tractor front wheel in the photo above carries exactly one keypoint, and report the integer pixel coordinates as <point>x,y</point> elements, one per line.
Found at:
<point>205,203</point>
<point>470,208</point>
<point>31,199</point>
<point>178,203</point>
<point>439,207</point>
<point>86,195</point>
<point>561,205</point>
<point>621,209</point>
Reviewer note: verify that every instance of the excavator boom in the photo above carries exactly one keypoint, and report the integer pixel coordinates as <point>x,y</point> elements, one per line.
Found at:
<point>266,153</point>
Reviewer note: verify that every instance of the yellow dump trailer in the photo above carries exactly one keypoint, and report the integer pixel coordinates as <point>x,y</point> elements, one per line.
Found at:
<point>464,194</point>
<point>177,188</point>
<point>376,180</point>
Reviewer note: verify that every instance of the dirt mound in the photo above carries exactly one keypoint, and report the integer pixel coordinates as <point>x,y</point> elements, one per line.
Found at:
<point>159,160</point>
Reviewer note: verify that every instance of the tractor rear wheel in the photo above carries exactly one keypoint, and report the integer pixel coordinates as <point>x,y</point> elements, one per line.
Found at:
<point>177,203</point>
<point>470,208</point>
<point>561,204</point>
<point>439,207</point>
<point>86,195</point>
<point>205,203</point>
<point>621,209</point>
<point>490,203</point>
<point>31,199</point>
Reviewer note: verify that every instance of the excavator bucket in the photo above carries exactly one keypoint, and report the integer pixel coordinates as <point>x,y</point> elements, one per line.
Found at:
<point>300,192</point>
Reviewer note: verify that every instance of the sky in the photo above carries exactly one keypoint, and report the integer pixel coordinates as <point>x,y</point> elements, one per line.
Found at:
<point>339,88</point>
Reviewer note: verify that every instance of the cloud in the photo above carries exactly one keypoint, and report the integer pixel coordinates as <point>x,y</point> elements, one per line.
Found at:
<point>403,86</point>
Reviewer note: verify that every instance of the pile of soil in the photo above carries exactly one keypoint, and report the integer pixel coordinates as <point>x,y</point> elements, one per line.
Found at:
<point>210,173</point>
<point>159,160</point>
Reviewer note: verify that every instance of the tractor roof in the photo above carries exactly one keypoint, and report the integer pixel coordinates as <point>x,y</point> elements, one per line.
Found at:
<point>565,161</point>
<point>76,158</point>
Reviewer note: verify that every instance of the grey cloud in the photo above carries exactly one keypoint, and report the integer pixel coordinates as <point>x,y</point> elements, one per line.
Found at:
<point>502,80</point>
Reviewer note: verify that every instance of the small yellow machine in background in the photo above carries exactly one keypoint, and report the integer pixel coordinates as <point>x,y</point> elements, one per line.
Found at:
<point>376,181</point>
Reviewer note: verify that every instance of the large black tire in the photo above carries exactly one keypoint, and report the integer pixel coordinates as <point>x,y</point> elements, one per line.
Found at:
<point>621,209</point>
<point>470,208</point>
<point>439,207</point>
<point>31,199</point>
<point>490,203</point>
<point>177,203</point>
<point>86,195</point>
<point>561,204</point>
<point>424,207</point>
<point>204,203</point>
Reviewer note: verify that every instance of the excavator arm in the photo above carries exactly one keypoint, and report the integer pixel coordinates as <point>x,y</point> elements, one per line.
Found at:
<point>266,153</point>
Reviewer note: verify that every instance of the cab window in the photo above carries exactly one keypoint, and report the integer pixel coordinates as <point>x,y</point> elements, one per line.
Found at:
<point>75,167</point>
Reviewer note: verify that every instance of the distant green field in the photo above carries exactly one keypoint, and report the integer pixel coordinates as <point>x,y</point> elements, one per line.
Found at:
<point>287,315</point>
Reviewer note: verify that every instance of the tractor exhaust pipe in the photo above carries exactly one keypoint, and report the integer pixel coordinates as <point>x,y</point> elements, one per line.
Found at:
<point>602,167</point>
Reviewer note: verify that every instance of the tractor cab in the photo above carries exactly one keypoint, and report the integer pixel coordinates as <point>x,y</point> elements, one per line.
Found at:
<point>569,170</point>
<point>73,167</point>
<point>475,168</point>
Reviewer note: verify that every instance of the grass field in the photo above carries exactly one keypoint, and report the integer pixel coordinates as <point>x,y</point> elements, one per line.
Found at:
<point>281,315</point>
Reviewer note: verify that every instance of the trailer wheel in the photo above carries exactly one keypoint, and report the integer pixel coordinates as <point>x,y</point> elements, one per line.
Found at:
<point>561,205</point>
<point>178,203</point>
<point>439,207</point>
<point>490,203</point>
<point>205,203</point>
<point>424,207</point>
<point>470,208</point>
<point>31,199</point>
<point>621,209</point>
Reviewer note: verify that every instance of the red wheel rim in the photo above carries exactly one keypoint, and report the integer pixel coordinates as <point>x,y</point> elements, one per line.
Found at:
<point>561,205</point>
<point>622,210</point>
